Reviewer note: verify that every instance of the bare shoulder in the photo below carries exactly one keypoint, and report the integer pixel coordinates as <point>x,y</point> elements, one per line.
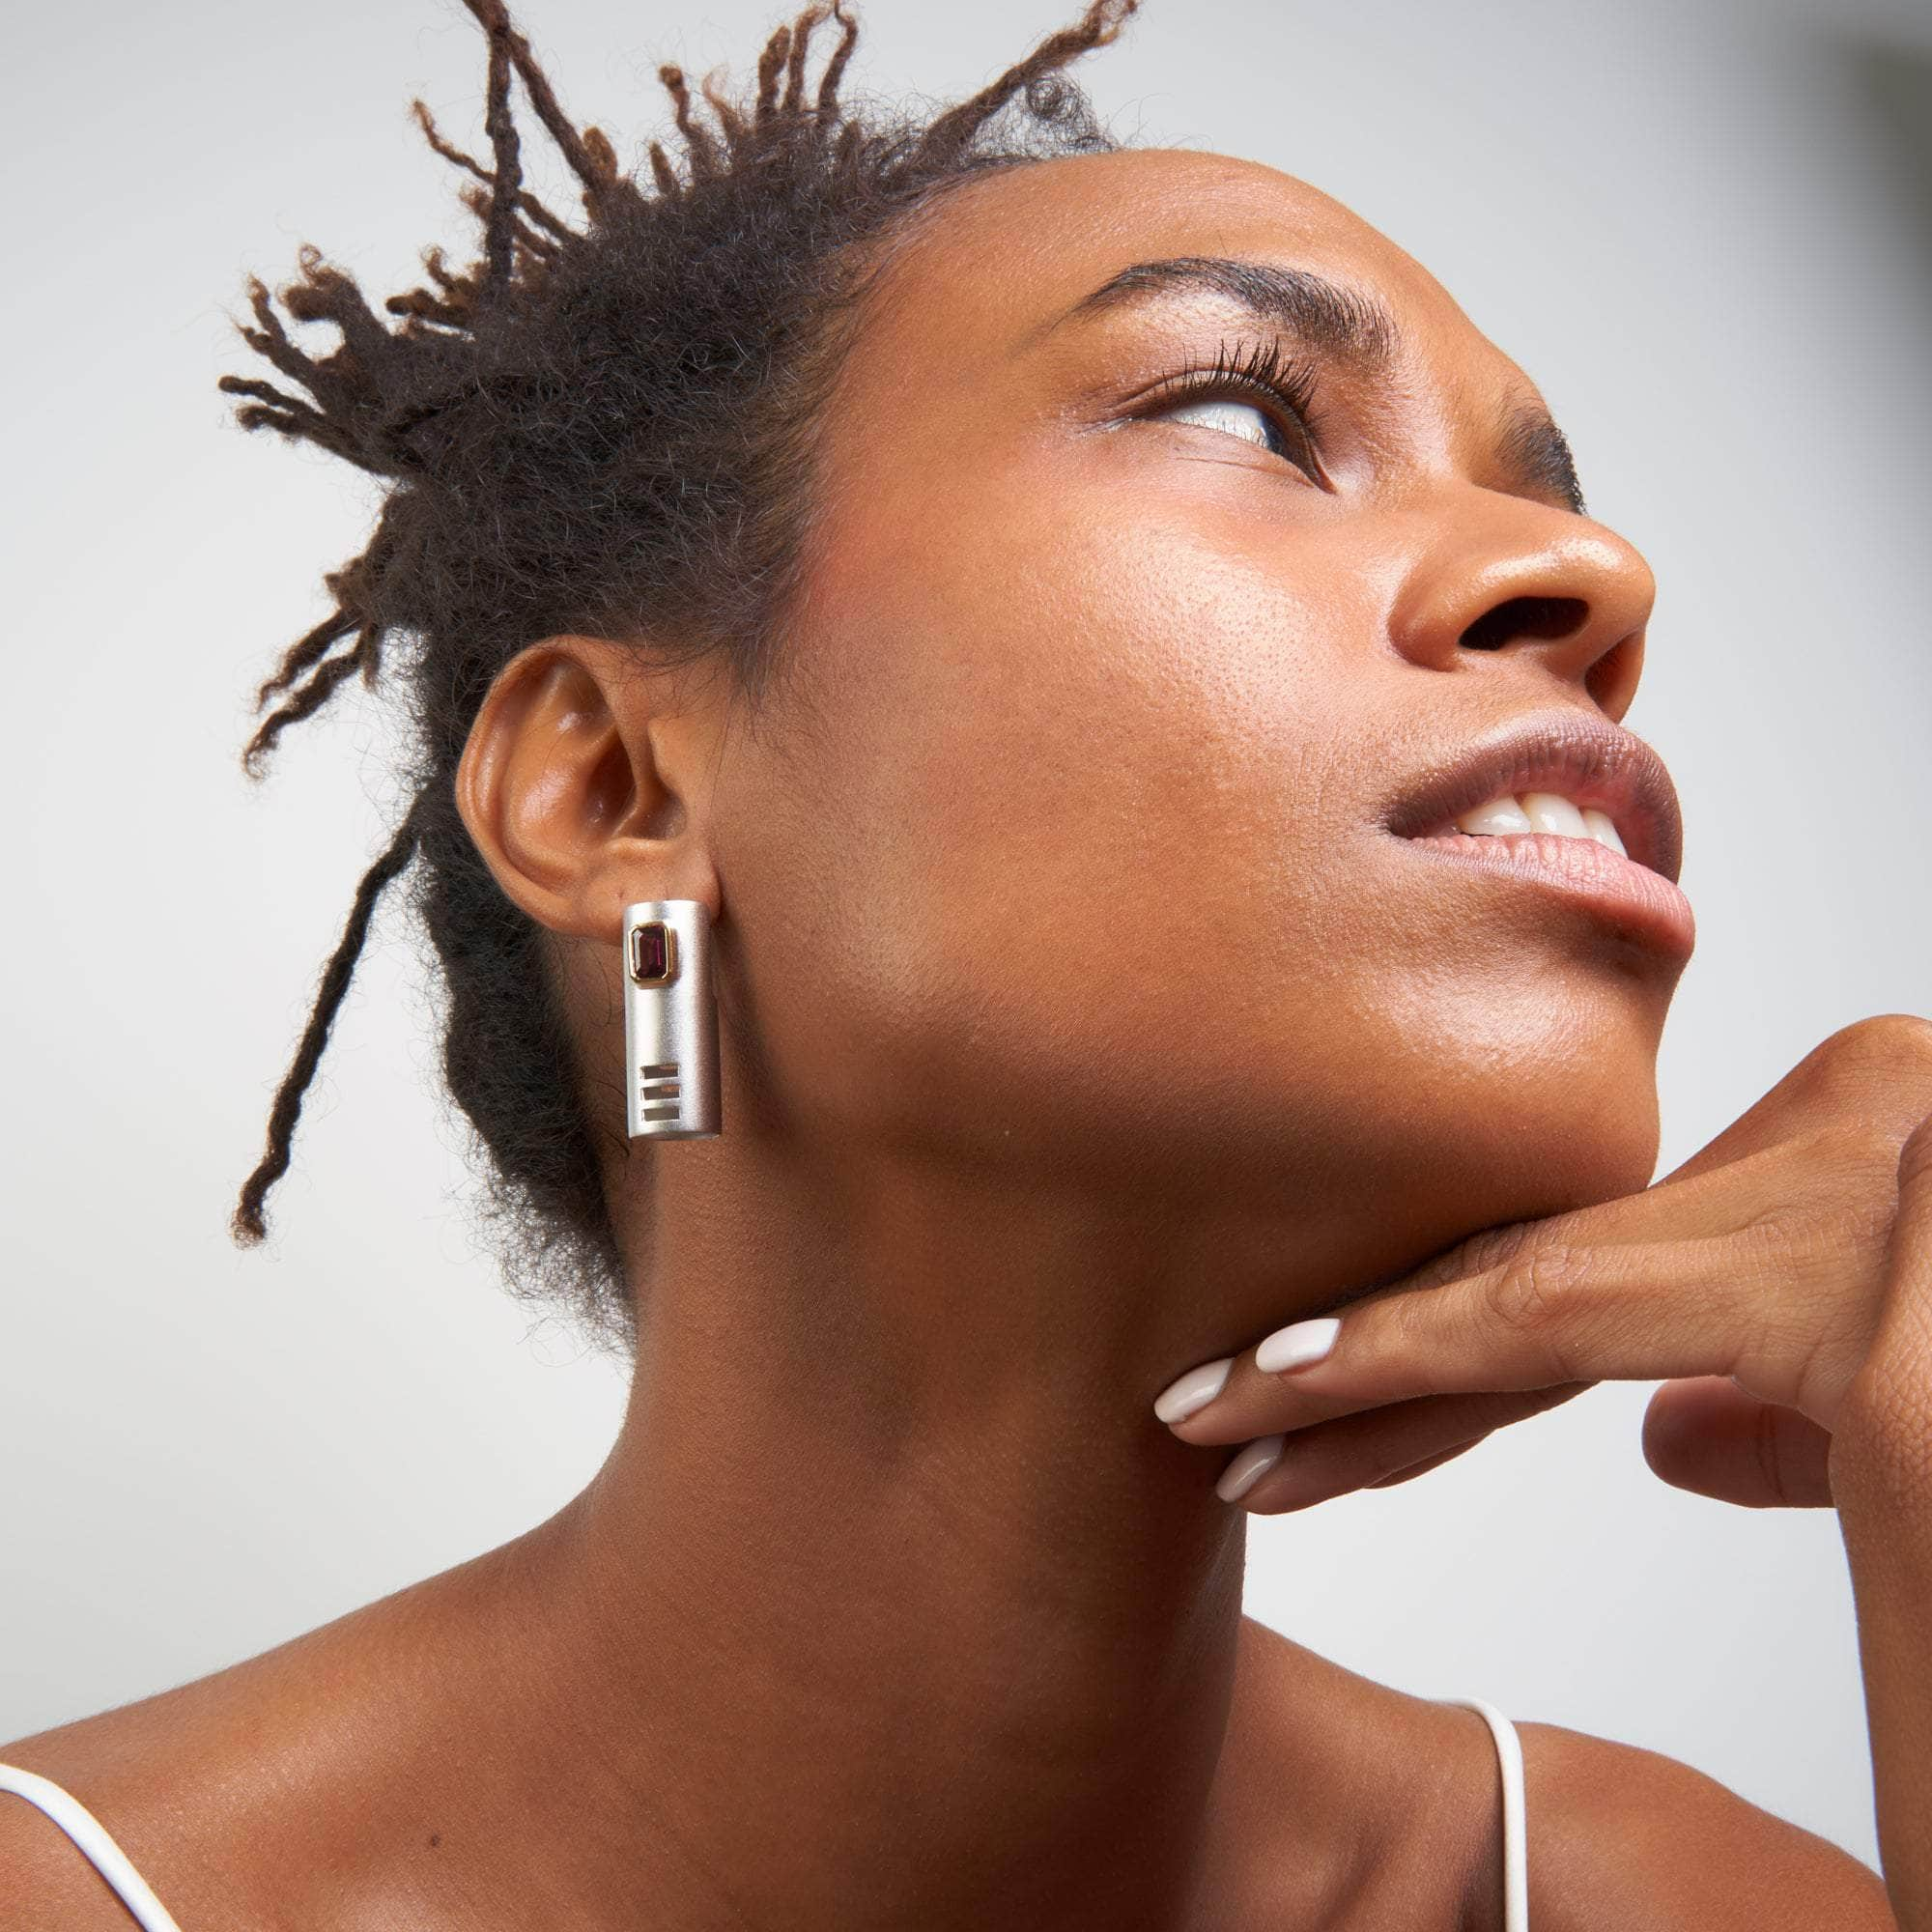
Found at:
<point>1631,1839</point>
<point>46,1885</point>
<point>232,1794</point>
<point>167,1780</point>
<point>1619,1838</point>
<point>310,1784</point>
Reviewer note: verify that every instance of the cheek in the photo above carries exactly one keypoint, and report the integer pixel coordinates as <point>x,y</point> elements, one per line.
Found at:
<point>1082,871</point>
<point>1067,861</point>
<point>1078,689</point>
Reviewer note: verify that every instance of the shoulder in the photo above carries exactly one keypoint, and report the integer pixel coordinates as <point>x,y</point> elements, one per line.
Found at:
<point>46,1883</point>
<point>1628,1839</point>
<point>225,1792</point>
<point>147,1773</point>
<point>1619,1838</point>
<point>281,1790</point>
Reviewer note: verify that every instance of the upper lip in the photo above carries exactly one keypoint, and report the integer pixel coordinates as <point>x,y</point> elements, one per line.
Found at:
<point>1589,760</point>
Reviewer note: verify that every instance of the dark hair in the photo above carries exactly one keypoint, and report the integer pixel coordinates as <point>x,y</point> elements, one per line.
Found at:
<point>604,430</point>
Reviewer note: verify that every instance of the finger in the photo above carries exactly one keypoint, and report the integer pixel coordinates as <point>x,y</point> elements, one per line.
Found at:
<point>1423,1467</point>
<point>1705,1434</point>
<point>1876,1070</point>
<point>1379,1446</point>
<point>1547,1314</point>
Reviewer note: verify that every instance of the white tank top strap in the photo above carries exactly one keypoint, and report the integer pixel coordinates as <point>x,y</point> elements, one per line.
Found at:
<point>92,1836</point>
<point>1516,1852</point>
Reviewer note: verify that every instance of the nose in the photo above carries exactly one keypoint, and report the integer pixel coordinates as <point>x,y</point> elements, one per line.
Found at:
<point>1507,575</point>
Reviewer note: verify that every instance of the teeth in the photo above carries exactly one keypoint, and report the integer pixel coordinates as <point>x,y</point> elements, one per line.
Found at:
<point>1500,814</point>
<point>1552,811</point>
<point>1602,829</point>
<point>1542,811</point>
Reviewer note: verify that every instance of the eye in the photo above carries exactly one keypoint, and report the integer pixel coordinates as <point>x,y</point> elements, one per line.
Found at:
<point>1247,420</point>
<point>1255,394</point>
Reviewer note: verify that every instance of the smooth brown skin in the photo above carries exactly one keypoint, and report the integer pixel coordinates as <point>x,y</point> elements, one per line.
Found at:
<point>1078,1026</point>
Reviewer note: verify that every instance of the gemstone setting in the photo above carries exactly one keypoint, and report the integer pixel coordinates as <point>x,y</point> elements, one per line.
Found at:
<point>654,953</point>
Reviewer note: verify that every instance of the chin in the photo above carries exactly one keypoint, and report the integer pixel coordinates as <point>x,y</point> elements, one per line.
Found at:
<point>1570,1138</point>
<point>1500,1105</point>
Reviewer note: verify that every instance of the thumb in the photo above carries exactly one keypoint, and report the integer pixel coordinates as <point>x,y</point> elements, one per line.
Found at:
<point>1704,1434</point>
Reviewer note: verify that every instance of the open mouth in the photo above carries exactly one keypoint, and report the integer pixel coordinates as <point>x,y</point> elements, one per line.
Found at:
<point>1566,801</point>
<point>1562,774</point>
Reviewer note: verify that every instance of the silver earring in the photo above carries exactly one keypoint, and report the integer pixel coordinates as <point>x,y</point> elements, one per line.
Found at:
<point>671,1020</point>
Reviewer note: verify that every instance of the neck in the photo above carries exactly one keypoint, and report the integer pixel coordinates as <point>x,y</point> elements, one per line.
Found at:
<point>894,1605</point>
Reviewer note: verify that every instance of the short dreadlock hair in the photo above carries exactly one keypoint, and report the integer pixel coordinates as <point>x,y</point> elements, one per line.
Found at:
<point>604,430</point>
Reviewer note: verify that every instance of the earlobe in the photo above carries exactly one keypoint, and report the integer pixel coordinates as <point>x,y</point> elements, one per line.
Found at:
<point>561,788</point>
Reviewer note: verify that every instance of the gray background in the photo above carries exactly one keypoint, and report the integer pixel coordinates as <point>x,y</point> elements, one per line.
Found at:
<point>1702,230</point>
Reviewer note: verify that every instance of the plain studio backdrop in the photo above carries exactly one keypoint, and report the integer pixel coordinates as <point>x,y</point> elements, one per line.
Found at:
<point>1702,230</point>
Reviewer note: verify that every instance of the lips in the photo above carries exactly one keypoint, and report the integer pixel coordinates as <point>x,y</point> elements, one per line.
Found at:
<point>1588,759</point>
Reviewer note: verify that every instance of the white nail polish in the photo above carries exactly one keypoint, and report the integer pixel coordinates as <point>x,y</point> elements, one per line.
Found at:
<point>1193,1391</point>
<point>1297,1344</point>
<point>1248,1469</point>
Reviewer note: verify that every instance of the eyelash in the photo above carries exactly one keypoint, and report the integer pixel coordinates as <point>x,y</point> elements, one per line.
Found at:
<point>1259,371</point>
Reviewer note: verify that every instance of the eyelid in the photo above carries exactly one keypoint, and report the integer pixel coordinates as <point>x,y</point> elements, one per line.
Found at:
<point>1260,372</point>
<point>1256,363</point>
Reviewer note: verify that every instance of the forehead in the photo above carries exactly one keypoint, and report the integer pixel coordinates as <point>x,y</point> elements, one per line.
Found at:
<point>1005,254</point>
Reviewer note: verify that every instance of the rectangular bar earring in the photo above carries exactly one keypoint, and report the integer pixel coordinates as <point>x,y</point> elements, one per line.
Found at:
<point>670,1021</point>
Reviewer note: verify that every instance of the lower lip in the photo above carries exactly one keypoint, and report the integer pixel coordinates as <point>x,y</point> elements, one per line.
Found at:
<point>1631,897</point>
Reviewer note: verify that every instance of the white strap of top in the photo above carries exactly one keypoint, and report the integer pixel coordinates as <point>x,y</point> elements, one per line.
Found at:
<point>1516,1856</point>
<point>91,1835</point>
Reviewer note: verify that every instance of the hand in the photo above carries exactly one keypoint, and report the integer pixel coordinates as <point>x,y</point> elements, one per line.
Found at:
<point>1754,1277</point>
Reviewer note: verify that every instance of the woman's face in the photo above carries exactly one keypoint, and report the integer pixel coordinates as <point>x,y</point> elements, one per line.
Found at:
<point>1070,853</point>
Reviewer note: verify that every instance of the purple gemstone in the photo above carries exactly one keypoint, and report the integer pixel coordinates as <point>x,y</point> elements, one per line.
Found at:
<point>651,951</point>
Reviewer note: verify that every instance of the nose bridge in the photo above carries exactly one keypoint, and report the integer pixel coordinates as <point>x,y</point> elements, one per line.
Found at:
<point>1503,574</point>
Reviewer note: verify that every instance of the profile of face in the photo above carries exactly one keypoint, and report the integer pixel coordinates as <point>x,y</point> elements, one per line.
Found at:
<point>1127,626</point>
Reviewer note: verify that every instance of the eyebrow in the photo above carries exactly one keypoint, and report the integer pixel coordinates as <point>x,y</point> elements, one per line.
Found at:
<point>1346,324</point>
<point>1341,321</point>
<point>1536,452</point>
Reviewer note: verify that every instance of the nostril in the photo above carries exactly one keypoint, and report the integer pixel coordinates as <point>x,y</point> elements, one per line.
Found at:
<point>1612,679</point>
<point>1546,617</point>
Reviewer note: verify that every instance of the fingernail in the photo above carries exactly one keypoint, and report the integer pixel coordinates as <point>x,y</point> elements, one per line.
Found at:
<point>1248,1469</point>
<point>1297,1344</point>
<point>1193,1391</point>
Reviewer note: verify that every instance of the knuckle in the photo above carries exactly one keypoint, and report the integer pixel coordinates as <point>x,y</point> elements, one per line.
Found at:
<point>1888,1040</point>
<point>1528,1292</point>
<point>1912,1034</point>
<point>1495,1247</point>
<point>1474,1254</point>
<point>1885,1052</point>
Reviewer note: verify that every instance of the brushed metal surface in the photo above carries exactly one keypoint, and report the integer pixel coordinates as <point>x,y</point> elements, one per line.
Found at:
<point>671,1032</point>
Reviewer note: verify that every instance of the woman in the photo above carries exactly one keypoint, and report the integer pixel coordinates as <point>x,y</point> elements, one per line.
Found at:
<point>1096,681</point>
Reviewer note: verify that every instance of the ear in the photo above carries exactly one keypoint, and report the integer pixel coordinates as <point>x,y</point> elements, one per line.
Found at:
<point>585,783</point>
